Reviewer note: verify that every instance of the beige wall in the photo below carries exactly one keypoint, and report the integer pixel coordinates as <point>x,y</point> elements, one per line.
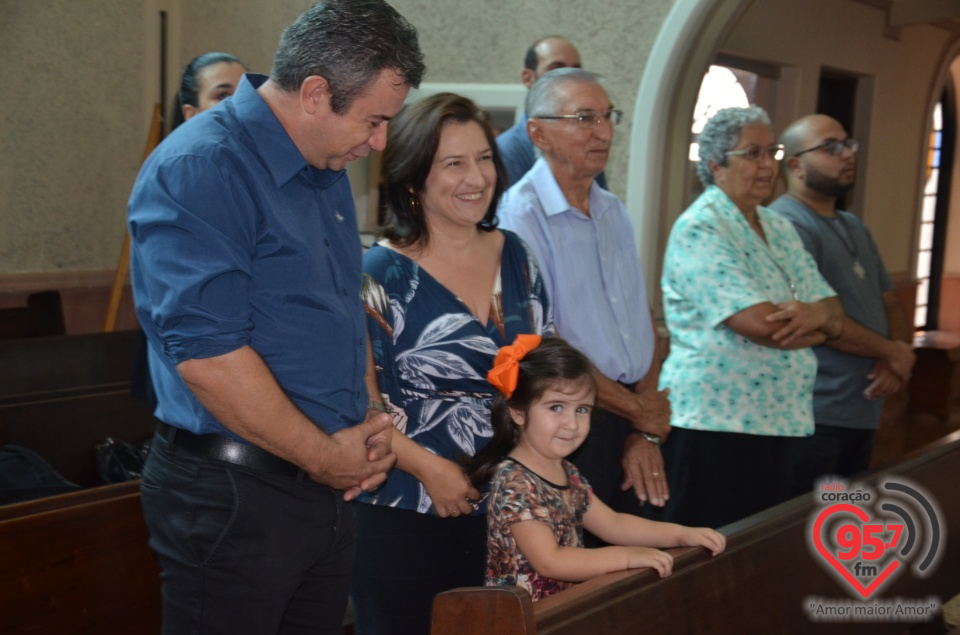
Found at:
<point>248,29</point>
<point>951,259</point>
<point>70,133</point>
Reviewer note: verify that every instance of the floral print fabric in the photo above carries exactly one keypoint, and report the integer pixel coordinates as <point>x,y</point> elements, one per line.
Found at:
<point>432,354</point>
<point>716,266</point>
<point>518,494</point>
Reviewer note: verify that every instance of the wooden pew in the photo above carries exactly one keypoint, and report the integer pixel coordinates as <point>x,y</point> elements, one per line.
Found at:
<point>760,584</point>
<point>42,317</point>
<point>66,366</point>
<point>61,396</point>
<point>936,375</point>
<point>65,431</point>
<point>78,563</point>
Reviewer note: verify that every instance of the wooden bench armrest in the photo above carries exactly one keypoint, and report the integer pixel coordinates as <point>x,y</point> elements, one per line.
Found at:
<point>491,610</point>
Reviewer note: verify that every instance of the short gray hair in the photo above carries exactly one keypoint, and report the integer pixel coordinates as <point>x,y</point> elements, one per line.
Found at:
<point>721,134</point>
<point>543,99</point>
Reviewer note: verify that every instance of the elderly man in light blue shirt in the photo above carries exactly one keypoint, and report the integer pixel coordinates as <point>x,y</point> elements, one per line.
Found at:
<point>583,241</point>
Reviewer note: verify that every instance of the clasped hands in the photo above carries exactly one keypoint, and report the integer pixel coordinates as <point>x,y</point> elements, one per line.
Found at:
<point>357,459</point>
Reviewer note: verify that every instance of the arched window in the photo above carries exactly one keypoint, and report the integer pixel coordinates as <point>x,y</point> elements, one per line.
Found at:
<point>730,82</point>
<point>721,88</point>
<point>933,215</point>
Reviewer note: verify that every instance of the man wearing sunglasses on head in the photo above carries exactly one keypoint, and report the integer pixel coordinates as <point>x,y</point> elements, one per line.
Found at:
<point>584,244</point>
<point>872,359</point>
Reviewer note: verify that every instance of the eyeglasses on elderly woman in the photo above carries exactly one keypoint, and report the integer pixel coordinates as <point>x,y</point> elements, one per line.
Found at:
<point>755,153</point>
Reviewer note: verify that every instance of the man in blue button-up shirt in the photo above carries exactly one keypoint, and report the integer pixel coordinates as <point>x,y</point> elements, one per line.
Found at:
<point>583,241</point>
<point>246,269</point>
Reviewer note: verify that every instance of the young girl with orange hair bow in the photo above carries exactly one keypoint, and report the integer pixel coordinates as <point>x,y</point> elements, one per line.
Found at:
<point>539,503</point>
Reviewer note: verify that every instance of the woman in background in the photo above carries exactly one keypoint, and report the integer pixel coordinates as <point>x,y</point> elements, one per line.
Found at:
<point>444,291</point>
<point>744,303</point>
<point>207,80</point>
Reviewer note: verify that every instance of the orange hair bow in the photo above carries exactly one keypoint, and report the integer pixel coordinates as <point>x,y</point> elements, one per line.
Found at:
<point>506,367</point>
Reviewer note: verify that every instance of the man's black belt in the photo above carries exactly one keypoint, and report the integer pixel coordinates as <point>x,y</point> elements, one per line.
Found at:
<point>228,450</point>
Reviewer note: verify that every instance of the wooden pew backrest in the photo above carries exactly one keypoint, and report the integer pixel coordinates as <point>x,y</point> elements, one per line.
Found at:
<point>53,367</point>
<point>760,584</point>
<point>42,317</point>
<point>65,431</point>
<point>78,563</point>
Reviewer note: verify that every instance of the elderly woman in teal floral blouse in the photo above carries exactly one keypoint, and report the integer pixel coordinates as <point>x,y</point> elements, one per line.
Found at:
<point>444,291</point>
<point>744,302</point>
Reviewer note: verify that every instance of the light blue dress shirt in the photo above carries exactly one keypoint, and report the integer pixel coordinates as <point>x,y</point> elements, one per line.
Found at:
<point>591,268</point>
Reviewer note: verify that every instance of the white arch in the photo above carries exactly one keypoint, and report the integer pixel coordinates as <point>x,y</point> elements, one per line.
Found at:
<point>660,132</point>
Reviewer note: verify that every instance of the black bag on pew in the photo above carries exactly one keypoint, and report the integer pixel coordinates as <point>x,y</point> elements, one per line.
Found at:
<point>119,461</point>
<point>24,475</point>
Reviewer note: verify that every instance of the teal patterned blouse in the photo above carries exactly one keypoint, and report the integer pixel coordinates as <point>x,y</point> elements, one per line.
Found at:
<point>716,266</point>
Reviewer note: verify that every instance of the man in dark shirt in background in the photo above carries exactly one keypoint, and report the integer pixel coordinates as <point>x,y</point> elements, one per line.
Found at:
<point>872,358</point>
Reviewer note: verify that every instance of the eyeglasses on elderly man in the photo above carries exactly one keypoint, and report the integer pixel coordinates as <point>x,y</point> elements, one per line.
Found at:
<point>834,146</point>
<point>589,118</point>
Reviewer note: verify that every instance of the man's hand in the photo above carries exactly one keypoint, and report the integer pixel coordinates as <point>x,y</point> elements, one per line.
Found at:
<point>358,458</point>
<point>901,360</point>
<point>656,412</point>
<point>884,382</point>
<point>643,468</point>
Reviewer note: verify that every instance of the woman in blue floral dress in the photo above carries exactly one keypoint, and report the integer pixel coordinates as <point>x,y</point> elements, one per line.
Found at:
<point>444,291</point>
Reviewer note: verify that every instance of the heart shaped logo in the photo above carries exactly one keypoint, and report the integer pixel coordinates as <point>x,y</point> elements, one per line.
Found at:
<point>851,538</point>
